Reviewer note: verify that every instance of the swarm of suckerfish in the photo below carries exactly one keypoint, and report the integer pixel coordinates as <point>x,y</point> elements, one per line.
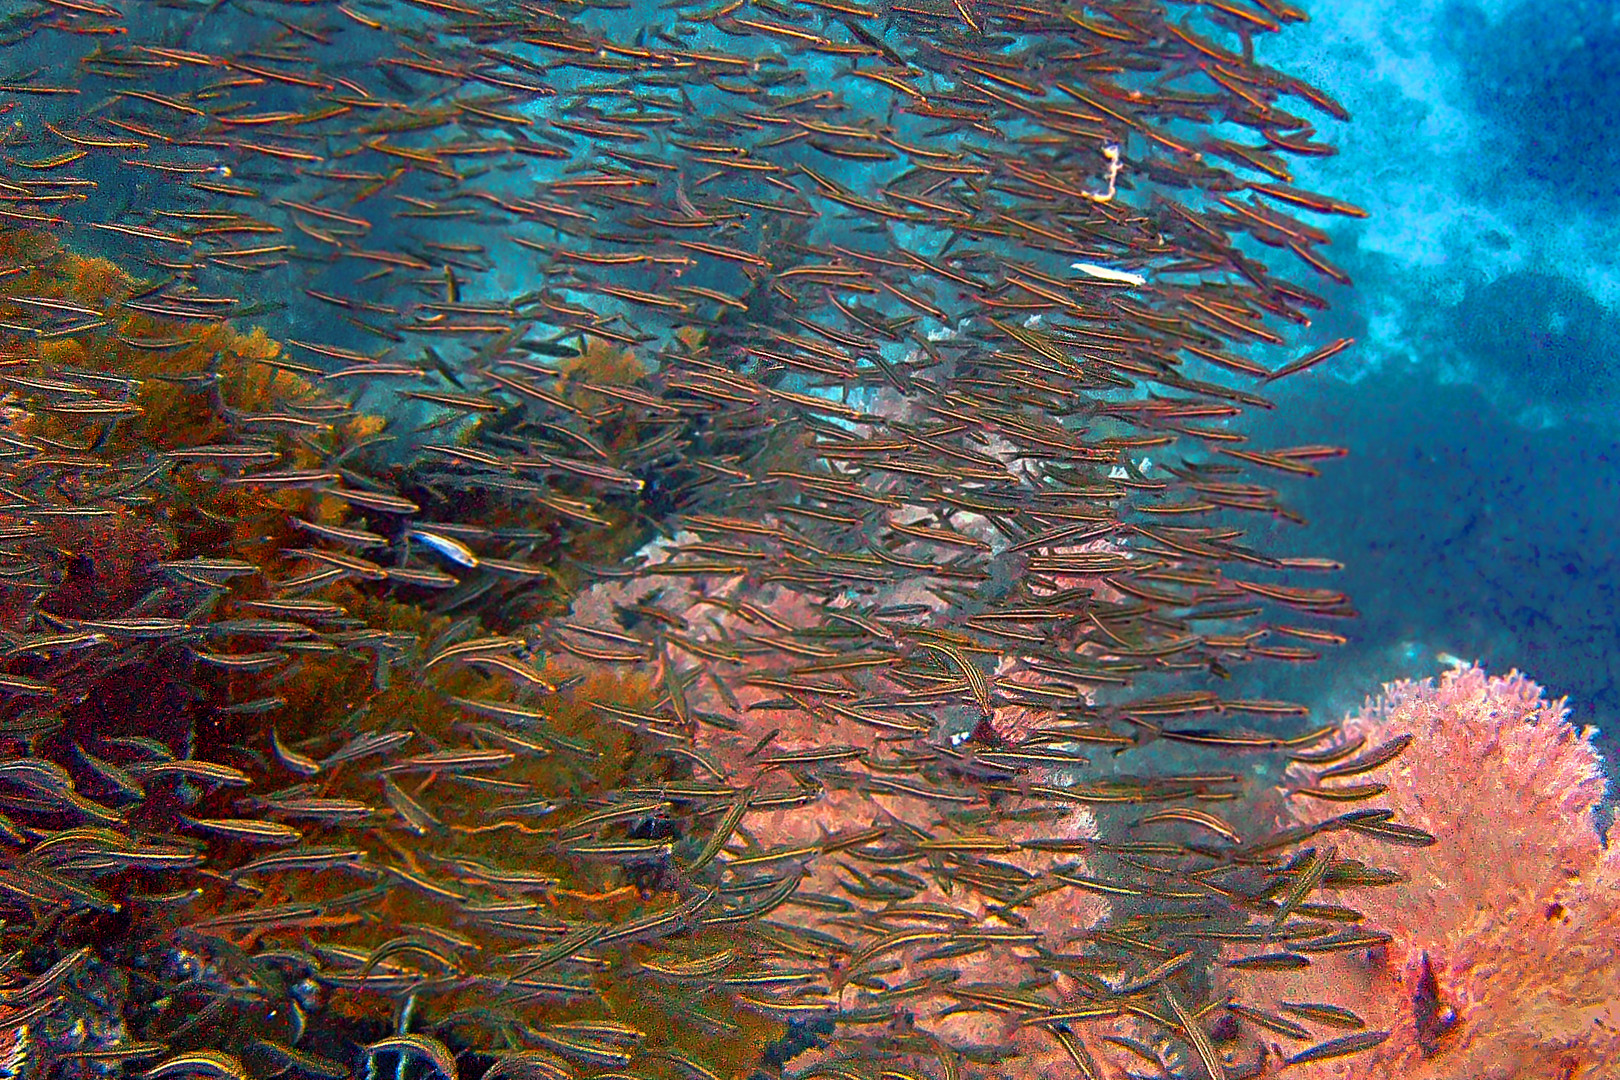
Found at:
<point>718,560</point>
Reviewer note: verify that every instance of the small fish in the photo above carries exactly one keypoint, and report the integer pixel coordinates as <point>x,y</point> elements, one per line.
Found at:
<point>250,829</point>
<point>386,502</point>
<point>597,1044</point>
<point>431,1051</point>
<point>1277,961</point>
<point>1196,817</point>
<point>255,707</point>
<point>407,943</point>
<point>1308,871</point>
<point>207,1063</point>
<point>1393,833</point>
<point>628,849</point>
<point>304,858</point>
<point>366,745</point>
<point>451,761</point>
<point>617,812</point>
<point>46,644</point>
<point>1109,273</point>
<point>118,777</point>
<point>513,666</point>
<point>302,764</point>
<point>975,678</point>
<point>473,648</point>
<point>48,979</point>
<point>1155,976</point>
<point>122,1051</point>
<point>503,710</point>
<point>1343,941</point>
<point>723,830</point>
<point>207,771</point>
<point>421,577</point>
<point>1193,1029</point>
<point>358,537</point>
<point>416,817</point>
<point>262,660</point>
<point>1349,1044</point>
<point>1347,793</point>
<point>1379,756</point>
<point>22,684</point>
<point>334,810</point>
<point>446,547</point>
<point>1331,1015</point>
<point>1270,1021</point>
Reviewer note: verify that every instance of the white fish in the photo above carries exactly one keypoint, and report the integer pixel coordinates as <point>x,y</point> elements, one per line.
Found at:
<point>1108,273</point>
<point>453,550</point>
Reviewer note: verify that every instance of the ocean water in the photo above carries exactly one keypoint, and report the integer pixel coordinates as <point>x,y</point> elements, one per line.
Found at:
<point>1475,512</point>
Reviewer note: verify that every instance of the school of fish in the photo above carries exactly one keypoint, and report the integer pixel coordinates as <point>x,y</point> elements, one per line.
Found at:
<point>720,559</point>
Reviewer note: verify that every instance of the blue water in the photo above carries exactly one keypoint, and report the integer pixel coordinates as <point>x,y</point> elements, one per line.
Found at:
<point>1477,513</point>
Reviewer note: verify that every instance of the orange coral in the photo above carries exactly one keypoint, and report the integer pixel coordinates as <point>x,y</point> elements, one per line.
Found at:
<point>1501,963</point>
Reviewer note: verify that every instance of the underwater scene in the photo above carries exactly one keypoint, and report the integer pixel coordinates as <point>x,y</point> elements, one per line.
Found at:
<point>787,539</point>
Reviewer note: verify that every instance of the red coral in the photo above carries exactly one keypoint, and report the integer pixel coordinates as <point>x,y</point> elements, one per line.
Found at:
<point>1502,961</point>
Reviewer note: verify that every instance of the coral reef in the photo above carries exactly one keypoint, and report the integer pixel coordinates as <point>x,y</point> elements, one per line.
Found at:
<point>1501,959</point>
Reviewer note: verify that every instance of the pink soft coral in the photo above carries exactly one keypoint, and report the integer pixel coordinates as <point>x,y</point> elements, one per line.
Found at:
<point>758,722</point>
<point>1515,910</point>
